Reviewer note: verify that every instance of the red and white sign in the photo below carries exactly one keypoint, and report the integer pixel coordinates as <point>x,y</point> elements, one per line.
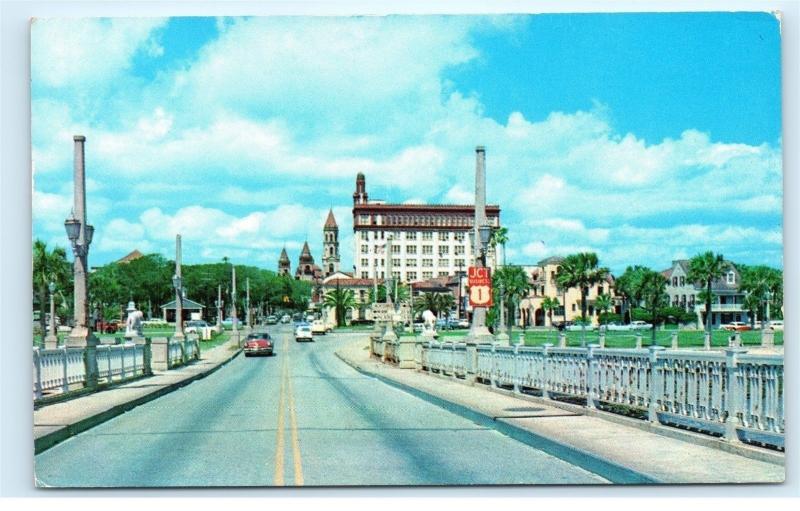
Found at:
<point>480,286</point>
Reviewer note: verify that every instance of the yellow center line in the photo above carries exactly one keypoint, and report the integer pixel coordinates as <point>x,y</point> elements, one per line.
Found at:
<point>298,463</point>
<point>279,447</point>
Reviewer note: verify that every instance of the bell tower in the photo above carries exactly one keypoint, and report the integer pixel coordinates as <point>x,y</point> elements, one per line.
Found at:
<point>330,246</point>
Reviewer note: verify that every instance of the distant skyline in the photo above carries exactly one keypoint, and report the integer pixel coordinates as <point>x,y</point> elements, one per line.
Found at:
<point>644,137</point>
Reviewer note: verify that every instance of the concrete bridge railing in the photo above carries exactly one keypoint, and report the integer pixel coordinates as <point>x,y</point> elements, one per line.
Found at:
<point>731,394</point>
<point>63,370</point>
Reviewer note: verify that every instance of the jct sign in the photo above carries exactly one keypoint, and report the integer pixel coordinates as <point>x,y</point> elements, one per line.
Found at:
<point>480,286</point>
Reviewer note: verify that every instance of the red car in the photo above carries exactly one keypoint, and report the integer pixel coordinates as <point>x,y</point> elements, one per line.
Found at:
<point>258,344</point>
<point>736,326</point>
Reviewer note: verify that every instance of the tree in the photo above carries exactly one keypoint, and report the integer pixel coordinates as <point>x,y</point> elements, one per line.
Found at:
<point>628,285</point>
<point>654,295</point>
<point>396,289</point>
<point>581,271</point>
<point>49,266</point>
<point>340,300</point>
<point>705,268</point>
<point>515,285</point>
<point>761,284</point>
<point>500,236</point>
<point>549,305</point>
<point>434,302</point>
<point>603,303</point>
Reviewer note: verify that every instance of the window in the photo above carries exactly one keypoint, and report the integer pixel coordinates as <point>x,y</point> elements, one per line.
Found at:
<point>683,281</point>
<point>364,274</point>
<point>674,281</point>
<point>427,263</point>
<point>364,235</point>
<point>395,249</point>
<point>459,236</point>
<point>459,250</point>
<point>365,262</point>
<point>411,263</point>
<point>411,249</point>
<point>427,275</point>
<point>396,275</point>
<point>443,250</point>
<point>412,275</point>
<point>444,236</point>
<point>574,307</point>
<point>365,249</point>
<point>731,278</point>
<point>411,235</point>
<point>427,236</point>
<point>443,274</point>
<point>460,263</point>
<point>443,262</point>
<point>395,262</point>
<point>427,249</point>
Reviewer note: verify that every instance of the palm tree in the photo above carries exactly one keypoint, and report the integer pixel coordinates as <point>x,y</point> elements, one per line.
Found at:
<point>603,303</point>
<point>760,282</point>
<point>549,304</point>
<point>48,266</point>
<point>515,285</point>
<point>581,271</point>
<point>500,236</point>
<point>434,302</point>
<point>654,295</point>
<point>397,289</point>
<point>340,300</point>
<point>445,303</point>
<point>706,268</point>
<point>628,285</point>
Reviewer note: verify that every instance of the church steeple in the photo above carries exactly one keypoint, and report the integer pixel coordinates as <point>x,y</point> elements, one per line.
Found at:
<point>284,265</point>
<point>330,245</point>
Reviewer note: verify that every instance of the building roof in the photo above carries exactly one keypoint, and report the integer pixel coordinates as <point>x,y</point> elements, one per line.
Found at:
<point>330,223</point>
<point>434,285</point>
<point>351,283</point>
<point>186,303</point>
<point>130,257</point>
<point>284,258</point>
<point>305,255</point>
<point>551,260</point>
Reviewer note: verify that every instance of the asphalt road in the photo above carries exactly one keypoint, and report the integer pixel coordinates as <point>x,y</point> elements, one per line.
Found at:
<point>301,417</point>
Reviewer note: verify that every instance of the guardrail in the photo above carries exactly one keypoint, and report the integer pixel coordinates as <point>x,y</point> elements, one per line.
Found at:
<point>732,394</point>
<point>63,370</point>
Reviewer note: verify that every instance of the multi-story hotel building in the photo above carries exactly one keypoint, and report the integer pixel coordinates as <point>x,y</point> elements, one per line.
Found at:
<point>427,241</point>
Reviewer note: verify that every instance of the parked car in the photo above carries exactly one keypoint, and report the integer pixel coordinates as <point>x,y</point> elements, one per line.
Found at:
<point>617,326</point>
<point>318,327</point>
<point>272,320</point>
<point>194,327</point>
<point>640,325</point>
<point>303,333</point>
<point>776,324</point>
<point>286,319</point>
<point>735,326</point>
<point>108,326</point>
<point>561,325</point>
<point>577,327</point>
<point>463,323</point>
<point>258,344</point>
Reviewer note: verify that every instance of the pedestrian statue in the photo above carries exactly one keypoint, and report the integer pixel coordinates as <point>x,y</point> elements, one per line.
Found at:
<point>429,322</point>
<point>133,325</point>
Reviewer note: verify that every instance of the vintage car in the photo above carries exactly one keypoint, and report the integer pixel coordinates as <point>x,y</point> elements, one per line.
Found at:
<point>258,344</point>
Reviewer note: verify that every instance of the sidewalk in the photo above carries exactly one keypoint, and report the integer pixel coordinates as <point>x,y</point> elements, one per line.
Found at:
<point>587,440</point>
<point>57,422</point>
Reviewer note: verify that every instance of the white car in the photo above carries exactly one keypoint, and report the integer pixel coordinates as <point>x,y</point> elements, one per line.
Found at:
<point>579,328</point>
<point>303,333</point>
<point>776,325</point>
<point>640,325</point>
<point>195,327</point>
<point>318,327</point>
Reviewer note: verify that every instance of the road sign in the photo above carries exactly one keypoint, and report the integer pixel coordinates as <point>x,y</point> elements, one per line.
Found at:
<point>382,311</point>
<point>479,281</point>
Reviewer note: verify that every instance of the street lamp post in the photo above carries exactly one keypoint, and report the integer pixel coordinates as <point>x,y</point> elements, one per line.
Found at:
<point>80,235</point>
<point>51,341</point>
<point>233,303</point>
<point>177,283</point>
<point>218,303</point>
<point>247,299</point>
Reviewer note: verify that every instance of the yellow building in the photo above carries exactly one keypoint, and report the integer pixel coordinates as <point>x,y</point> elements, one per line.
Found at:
<point>542,278</point>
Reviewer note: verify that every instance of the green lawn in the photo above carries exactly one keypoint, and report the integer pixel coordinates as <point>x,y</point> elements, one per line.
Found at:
<point>686,338</point>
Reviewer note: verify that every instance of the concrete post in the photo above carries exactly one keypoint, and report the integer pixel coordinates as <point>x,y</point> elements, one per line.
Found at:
<point>591,369</point>
<point>492,380</point>
<point>562,340</point>
<point>478,331</point>
<point>638,340</point>
<point>546,386</point>
<point>707,340</point>
<point>472,362</point>
<point>515,376</point>
<point>602,338</point>
<point>737,340</point>
<point>655,383</point>
<point>521,339</point>
<point>732,398</point>
<point>51,341</point>
<point>675,340</point>
<point>160,353</point>
<point>147,356</point>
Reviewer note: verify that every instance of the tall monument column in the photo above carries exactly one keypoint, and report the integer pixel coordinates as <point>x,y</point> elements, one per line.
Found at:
<point>478,331</point>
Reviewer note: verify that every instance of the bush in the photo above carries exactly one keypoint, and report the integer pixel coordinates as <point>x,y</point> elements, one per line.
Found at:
<point>608,317</point>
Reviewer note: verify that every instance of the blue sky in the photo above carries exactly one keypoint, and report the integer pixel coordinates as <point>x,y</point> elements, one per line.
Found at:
<point>643,137</point>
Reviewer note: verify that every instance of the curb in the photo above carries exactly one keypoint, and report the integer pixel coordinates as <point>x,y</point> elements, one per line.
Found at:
<point>614,472</point>
<point>48,440</point>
